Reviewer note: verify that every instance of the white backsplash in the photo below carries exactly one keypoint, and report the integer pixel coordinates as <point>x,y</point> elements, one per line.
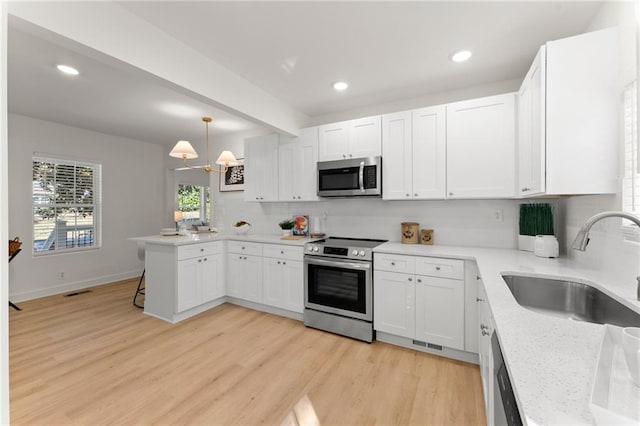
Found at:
<point>455,222</point>
<point>608,251</point>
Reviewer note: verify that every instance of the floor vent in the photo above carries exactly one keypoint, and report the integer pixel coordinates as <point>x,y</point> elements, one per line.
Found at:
<point>419,343</point>
<point>436,347</point>
<point>76,293</point>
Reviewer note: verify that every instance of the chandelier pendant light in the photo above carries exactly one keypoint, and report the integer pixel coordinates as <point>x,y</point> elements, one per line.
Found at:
<point>184,150</point>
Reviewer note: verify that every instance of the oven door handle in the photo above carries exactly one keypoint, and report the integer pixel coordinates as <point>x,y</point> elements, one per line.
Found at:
<point>361,176</point>
<point>338,264</point>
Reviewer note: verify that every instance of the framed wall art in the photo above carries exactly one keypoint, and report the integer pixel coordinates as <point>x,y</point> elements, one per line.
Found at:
<point>233,178</point>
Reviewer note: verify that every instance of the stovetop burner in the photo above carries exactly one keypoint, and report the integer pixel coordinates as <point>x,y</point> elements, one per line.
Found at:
<point>341,247</point>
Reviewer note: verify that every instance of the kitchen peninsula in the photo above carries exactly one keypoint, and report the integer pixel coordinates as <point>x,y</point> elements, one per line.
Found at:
<point>187,275</point>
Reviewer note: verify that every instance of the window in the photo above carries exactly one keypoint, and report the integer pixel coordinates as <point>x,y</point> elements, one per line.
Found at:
<point>66,205</point>
<point>194,203</point>
<point>631,180</point>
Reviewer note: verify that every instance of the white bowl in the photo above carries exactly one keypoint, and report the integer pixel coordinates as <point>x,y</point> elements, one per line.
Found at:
<point>242,229</point>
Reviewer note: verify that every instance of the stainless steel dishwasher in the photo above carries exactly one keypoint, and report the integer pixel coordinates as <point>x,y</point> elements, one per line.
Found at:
<point>505,408</point>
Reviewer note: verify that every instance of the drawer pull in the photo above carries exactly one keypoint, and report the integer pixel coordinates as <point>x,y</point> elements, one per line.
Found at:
<point>419,280</point>
<point>199,260</point>
<point>205,259</point>
<point>393,263</point>
<point>284,263</point>
<point>278,262</point>
<point>281,251</point>
<point>479,299</point>
<point>410,279</point>
<point>437,268</point>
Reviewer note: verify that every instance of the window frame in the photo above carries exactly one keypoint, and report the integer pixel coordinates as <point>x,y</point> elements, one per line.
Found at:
<point>95,205</point>
<point>630,190</point>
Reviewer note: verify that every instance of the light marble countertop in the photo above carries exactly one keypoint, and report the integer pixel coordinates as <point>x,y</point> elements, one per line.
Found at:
<point>551,361</point>
<point>196,238</point>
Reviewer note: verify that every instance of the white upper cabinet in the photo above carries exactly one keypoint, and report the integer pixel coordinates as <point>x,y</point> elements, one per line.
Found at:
<point>261,168</point>
<point>414,153</point>
<point>531,127</point>
<point>297,160</point>
<point>481,148</point>
<point>350,139</point>
<point>569,122</point>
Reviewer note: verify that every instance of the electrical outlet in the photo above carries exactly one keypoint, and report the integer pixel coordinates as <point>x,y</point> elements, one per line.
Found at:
<point>61,275</point>
<point>498,216</point>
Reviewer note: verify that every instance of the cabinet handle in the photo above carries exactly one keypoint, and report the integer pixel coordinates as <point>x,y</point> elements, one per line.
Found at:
<point>408,195</point>
<point>278,262</point>
<point>205,259</point>
<point>257,198</point>
<point>525,189</point>
<point>239,257</point>
<point>485,333</point>
<point>242,247</point>
<point>478,277</point>
<point>284,263</point>
<point>437,268</point>
<point>393,263</point>
<point>294,197</point>
<point>415,195</point>
<point>479,300</point>
<point>419,280</point>
<point>344,156</point>
<point>201,249</point>
<point>350,155</point>
<point>410,279</point>
<point>451,193</point>
<point>199,260</point>
<point>299,197</point>
<point>281,251</point>
<point>484,327</point>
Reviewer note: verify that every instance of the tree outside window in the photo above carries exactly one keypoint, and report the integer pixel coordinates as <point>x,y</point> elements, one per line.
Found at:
<point>194,202</point>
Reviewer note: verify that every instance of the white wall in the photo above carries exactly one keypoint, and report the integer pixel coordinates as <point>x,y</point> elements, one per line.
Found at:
<point>608,250</point>
<point>132,200</point>
<point>437,98</point>
<point>4,267</point>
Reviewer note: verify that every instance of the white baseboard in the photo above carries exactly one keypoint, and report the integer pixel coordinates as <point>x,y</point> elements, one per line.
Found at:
<point>76,285</point>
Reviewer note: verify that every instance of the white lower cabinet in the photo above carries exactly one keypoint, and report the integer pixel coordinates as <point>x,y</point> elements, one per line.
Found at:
<point>485,330</point>
<point>245,277</point>
<point>411,304</point>
<point>199,281</point>
<point>283,279</point>
<point>199,275</point>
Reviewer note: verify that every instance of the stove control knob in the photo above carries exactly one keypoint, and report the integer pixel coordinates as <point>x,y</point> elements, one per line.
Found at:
<point>361,253</point>
<point>310,248</point>
<point>315,249</point>
<point>354,252</point>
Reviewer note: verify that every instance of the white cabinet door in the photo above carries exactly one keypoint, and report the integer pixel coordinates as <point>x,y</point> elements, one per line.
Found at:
<point>297,159</point>
<point>261,168</point>
<point>308,159</point>
<point>531,128</point>
<point>189,277</point>
<point>245,277</point>
<point>429,153</point>
<point>252,275</point>
<point>397,167</point>
<point>272,284</point>
<point>292,294</point>
<point>289,170</point>
<point>365,137</point>
<point>440,311</point>
<point>394,303</point>
<point>485,351</point>
<point>334,141</point>
<point>481,148</point>
<point>212,280</point>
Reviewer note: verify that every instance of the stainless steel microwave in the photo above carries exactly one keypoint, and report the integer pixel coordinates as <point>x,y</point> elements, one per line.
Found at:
<point>354,177</point>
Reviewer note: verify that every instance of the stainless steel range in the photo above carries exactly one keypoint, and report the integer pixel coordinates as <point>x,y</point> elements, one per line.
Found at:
<point>338,287</point>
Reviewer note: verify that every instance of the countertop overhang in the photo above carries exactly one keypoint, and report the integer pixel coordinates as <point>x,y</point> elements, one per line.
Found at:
<point>551,361</point>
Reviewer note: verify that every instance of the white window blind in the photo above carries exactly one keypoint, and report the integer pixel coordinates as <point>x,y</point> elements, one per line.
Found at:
<point>66,205</point>
<point>631,181</point>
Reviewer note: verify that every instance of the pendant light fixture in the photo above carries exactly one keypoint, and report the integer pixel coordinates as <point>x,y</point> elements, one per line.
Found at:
<point>184,150</point>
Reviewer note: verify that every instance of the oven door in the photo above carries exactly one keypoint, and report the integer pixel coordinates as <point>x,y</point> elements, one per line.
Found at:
<point>338,286</point>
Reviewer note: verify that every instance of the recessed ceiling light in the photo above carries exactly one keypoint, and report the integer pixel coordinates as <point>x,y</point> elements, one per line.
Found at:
<point>460,56</point>
<point>68,70</point>
<point>340,86</point>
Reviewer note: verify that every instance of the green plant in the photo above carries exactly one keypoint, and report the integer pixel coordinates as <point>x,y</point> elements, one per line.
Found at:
<point>287,224</point>
<point>536,219</point>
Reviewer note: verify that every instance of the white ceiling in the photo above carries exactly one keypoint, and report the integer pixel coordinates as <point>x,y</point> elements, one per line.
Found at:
<point>387,51</point>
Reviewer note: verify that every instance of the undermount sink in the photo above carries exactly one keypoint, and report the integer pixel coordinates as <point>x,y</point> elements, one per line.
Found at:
<point>570,300</point>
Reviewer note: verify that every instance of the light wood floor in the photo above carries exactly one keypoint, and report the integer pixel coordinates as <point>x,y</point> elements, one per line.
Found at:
<point>95,359</point>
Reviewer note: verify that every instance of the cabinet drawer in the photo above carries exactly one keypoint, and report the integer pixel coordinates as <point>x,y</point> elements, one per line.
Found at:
<point>196,250</point>
<point>442,268</point>
<point>282,252</point>
<point>394,263</point>
<point>244,247</point>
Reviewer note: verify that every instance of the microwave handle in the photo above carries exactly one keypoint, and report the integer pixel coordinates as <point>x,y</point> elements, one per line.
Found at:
<point>361,176</point>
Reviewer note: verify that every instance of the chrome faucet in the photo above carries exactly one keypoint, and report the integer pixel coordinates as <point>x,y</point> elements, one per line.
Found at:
<point>582,239</point>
